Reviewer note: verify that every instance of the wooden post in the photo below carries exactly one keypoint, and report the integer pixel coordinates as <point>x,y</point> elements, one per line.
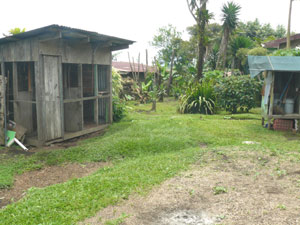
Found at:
<point>61,95</point>
<point>110,92</point>
<point>40,87</point>
<point>81,93</point>
<point>271,101</point>
<point>3,106</point>
<point>96,117</point>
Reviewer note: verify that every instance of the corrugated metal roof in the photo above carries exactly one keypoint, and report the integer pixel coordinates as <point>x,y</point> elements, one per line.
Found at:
<point>258,64</point>
<point>125,67</point>
<point>276,43</point>
<point>56,28</point>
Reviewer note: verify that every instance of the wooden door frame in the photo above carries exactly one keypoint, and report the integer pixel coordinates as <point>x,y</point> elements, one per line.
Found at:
<point>40,95</point>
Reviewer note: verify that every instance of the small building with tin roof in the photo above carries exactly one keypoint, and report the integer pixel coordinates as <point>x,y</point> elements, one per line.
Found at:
<point>59,81</point>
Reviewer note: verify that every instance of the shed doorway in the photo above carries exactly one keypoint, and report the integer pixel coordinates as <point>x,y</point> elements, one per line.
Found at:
<point>52,103</point>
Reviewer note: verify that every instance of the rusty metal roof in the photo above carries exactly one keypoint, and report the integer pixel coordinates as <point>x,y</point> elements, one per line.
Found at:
<point>276,43</point>
<point>69,33</point>
<point>125,67</point>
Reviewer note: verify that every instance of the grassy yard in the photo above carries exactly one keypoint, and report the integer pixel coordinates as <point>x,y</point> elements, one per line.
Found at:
<point>145,149</point>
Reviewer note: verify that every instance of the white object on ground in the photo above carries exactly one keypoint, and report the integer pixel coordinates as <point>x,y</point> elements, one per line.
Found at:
<point>20,144</point>
<point>251,143</point>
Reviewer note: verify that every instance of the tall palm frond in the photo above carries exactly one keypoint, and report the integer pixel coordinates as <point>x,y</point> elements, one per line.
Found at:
<point>230,13</point>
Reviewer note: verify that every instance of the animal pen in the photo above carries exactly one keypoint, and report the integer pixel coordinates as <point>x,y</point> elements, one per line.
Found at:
<point>281,92</point>
<point>59,83</point>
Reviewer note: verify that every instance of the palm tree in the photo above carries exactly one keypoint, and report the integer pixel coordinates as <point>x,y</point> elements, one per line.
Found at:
<point>199,12</point>
<point>230,20</point>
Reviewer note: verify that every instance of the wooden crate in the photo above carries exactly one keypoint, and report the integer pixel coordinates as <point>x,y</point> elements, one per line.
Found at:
<point>281,124</point>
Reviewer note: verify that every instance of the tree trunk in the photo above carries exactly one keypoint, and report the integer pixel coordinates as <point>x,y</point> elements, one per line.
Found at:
<point>155,91</point>
<point>159,85</point>
<point>153,106</point>
<point>201,45</point>
<point>288,35</point>
<point>171,73</point>
<point>223,50</point>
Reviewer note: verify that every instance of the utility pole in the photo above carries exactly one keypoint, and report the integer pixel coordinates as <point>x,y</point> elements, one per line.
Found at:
<point>288,35</point>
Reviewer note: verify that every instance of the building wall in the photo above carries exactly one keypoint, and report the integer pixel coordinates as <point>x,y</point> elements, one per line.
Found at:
<point>35,50</point>
<point>70,51</point>
<point>20,51</point>
<point>294,44</point>
<point>76,52</point>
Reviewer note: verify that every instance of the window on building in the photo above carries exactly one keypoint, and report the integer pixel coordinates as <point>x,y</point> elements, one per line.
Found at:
<point>70,75</point>
<point>103,75</point>
<point>25,76</point>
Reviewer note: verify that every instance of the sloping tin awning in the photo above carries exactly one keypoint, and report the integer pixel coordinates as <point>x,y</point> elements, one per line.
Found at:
<point>258,64</point>
<point>70,34</point>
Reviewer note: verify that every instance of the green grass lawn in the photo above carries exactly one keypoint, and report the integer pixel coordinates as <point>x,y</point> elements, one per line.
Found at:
<point>145,148</point>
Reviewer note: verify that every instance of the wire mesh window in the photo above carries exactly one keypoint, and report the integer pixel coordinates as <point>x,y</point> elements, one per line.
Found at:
<point>88,80</point>
<point>103,110</point>
<point>71,75</point>
<point>25,74</point>
<point>103,75</point>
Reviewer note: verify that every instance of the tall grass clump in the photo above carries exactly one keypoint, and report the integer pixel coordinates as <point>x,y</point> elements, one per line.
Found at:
<point>198,98</point>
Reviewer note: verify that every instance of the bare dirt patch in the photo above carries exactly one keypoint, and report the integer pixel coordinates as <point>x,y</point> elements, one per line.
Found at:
<point>255,189</point>
<point>45,177</point>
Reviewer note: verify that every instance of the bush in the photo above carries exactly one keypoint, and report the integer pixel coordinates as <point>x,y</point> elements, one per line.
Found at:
<point>212,76</point>
<point>119,108</point>
<point>198,98</point>
<point>259,51</point>
<point>286,52</point>
<point>117,82</point>
<point>238,92</point>
<point>118,105</point>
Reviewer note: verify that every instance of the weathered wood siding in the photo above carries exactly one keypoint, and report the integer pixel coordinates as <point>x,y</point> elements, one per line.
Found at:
<point>52,98</point>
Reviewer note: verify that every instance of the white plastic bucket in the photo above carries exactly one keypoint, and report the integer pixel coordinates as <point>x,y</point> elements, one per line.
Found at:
<point>289,106</point>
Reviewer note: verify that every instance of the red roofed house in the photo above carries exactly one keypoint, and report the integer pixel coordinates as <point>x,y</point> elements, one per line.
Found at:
<point>281,43</point>
<point>127,70</point>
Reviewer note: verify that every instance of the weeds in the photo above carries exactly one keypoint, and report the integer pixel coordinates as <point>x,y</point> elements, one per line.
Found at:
<point>117,221</point>
<point>219,190</point>
<point>281,207</point>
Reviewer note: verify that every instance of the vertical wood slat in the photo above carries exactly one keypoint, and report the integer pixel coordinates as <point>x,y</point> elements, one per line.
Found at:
<point>110,91</point>
<point>52,99</point>
<point>81,91</point>
<point>271,100</point>
<point>15,80</point>
<point>39,93</point>
<point>3,104</point>
<point>61,95</point>
<point>96,117</point>
<point>15,91</point>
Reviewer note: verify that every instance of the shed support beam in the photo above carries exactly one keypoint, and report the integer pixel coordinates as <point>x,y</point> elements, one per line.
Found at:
<point>271,101</point>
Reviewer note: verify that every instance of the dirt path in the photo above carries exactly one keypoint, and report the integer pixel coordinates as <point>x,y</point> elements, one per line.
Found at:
<point>45,177</point>
<point>238,188</point>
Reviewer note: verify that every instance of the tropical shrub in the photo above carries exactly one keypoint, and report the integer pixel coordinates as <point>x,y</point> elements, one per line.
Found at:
<point>199,98</point>
<point>259,51</point>
<point>242,60</point>
<point>287,52</point>
<point>212,76</point>
<point>212,58</point>
<point>118,105</point>
<point>119,108</point>
<point>117,82</point>
<point>238,92</point>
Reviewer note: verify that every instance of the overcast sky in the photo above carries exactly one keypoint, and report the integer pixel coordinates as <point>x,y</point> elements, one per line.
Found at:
<point>136,20</point>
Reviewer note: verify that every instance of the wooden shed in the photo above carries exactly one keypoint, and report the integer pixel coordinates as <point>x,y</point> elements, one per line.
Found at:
<point>281,90</point>
<point>59,81</point>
